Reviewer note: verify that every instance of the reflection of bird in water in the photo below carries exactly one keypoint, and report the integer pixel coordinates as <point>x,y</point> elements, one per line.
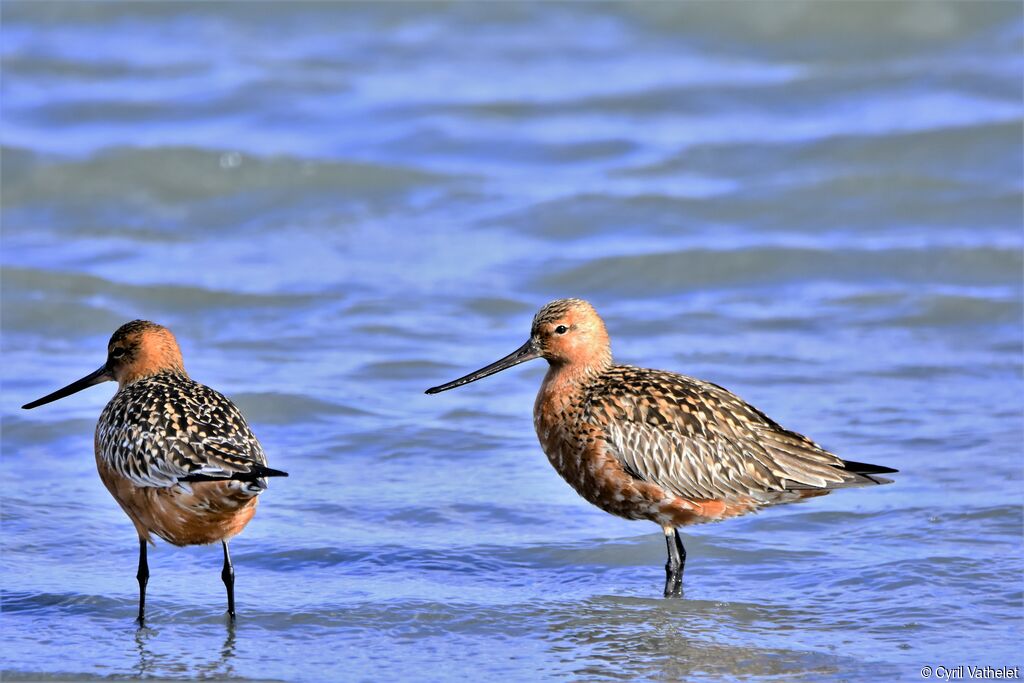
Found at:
<point>146,657</point>
<point>176,455</point>
<point>649,444</point>
<point>150,662</point>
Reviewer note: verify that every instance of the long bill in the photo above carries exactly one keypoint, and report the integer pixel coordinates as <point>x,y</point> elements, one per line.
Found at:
<point>101,375</point>
<point>527,351</point>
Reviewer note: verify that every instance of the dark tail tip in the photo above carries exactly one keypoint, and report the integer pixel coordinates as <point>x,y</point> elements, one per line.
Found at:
<point>255,473</point>
<point>868,472</point>
<point>268,472</point>
<point>867,468</point>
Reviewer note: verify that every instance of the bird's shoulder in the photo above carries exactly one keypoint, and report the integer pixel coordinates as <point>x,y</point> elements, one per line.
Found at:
<point>669,401</point>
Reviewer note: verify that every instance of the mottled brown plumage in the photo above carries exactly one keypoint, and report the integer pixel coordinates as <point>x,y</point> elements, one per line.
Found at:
<point>179,446</point>
<point>177,456</point>
<point>655,445</point>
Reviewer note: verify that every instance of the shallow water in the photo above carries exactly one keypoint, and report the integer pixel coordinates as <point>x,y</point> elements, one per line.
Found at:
<point>336,206</point>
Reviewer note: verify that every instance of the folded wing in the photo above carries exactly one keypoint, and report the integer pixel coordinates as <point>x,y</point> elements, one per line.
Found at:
<point>697,440</point>
<point>178,436</point>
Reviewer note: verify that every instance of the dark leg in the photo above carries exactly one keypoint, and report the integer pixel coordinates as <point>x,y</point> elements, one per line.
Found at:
<point>228,576</point>
<point>682,555</point>
<point>675,564</point>
<point>143,576</point>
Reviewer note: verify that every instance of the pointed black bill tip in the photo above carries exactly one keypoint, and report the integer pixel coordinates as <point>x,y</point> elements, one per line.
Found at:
<point>93,378</point>
<point>526,352</point>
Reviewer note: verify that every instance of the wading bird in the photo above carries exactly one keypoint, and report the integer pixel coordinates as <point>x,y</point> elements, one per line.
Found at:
<point>649,444</point>
<point>176,455</point>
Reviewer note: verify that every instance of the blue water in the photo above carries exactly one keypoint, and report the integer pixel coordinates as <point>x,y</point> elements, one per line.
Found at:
<point>335,206</point>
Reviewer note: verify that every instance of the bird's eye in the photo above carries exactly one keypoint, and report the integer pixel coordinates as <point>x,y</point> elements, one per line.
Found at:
<point>117,353</point>
<point>561,329</point>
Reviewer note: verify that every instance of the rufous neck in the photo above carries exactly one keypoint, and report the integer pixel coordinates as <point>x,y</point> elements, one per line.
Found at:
<point>567,378</point>
<point>128,380</point>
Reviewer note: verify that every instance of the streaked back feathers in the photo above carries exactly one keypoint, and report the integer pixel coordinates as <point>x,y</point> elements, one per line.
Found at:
<point>166,429</point>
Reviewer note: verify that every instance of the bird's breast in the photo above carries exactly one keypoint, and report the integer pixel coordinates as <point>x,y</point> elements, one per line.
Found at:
<point>578,451</point>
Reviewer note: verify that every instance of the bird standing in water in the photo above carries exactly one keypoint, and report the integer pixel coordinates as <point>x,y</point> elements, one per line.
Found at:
<point>654,445</point>
<point>176,455</point>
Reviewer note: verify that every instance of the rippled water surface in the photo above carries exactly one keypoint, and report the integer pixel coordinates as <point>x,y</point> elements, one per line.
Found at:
<point>335,206</point>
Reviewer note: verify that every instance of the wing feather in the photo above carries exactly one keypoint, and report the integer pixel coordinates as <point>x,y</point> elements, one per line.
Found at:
<point>698,440</point>
<point>166,430</point>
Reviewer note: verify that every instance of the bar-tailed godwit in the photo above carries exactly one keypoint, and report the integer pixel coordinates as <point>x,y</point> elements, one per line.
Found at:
<point>176,455</point>
<point>654,445</point>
